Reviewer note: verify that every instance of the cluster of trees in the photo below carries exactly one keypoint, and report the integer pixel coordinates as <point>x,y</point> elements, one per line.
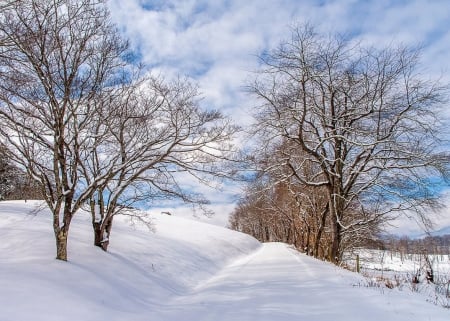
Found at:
<point>348,136</point>
<point>15,184</point>
<point>92,129</point>
<point>275,211</point>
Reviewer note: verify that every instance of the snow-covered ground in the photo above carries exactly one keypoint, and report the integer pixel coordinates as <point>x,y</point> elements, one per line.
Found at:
<point>186,270</point>
<point>395,261</point>
<point>398,270</point>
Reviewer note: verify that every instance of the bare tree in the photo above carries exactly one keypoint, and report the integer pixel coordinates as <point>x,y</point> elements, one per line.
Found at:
<point>150,132</point>
<point>56,57</point>
<point>365,120</point>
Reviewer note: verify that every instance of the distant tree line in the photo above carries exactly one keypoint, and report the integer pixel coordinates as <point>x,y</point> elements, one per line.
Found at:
<point>439,244</point>
<point>16,184</point>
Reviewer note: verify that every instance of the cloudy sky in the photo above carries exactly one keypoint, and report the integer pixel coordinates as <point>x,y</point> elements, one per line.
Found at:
<point>216,42</point>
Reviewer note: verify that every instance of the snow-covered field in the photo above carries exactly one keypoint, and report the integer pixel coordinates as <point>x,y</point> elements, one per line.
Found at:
<point>409,263</point>
<point>186,270</point>
<point>398,270</point>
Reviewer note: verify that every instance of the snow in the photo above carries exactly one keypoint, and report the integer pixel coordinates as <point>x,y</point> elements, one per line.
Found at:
<point>186,270</point>
<point>219,218</point>
<point>385,260</point>
<point>399,269</point>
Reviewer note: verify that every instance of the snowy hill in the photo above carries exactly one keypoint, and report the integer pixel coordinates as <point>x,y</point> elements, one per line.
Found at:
<point>186,270</point>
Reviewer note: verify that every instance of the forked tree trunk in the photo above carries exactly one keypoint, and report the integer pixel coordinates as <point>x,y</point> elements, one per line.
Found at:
<point>102,232</point>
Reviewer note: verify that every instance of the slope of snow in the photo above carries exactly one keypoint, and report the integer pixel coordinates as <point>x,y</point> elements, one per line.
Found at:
<point>186,270</point>
<point>220,217</point>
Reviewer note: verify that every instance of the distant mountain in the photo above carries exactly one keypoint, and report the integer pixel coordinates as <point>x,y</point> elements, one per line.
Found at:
<point>441,232</point>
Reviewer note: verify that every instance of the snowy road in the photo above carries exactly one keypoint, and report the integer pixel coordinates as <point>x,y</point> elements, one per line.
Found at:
<point>276,283</point>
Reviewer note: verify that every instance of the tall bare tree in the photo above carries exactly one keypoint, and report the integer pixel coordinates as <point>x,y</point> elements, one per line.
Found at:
<point>55,57</point>
<point>365,120</point>
<point>150,132</point>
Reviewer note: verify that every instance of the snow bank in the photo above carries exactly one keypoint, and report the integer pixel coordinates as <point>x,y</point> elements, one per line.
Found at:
<point>142,270</point>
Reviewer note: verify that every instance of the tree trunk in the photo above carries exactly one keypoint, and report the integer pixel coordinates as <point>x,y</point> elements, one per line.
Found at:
<point>102,232</point>
<point>336,210</point>
<point>317,242</point>
<point>62,231</point>
<point>335,255</point>
<point>98,235</point>
<point>61,244</point>
<point>308,234</point>
<point>320,231</point>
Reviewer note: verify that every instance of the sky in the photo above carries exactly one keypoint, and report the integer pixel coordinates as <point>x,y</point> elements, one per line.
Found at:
<point>216,43</point>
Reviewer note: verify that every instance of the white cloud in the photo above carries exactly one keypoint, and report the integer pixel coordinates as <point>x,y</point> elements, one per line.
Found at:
<point>216,43</point>
<point>411,224</point>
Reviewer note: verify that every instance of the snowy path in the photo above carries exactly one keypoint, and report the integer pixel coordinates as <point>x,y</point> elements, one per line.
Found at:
<point>276,283</point>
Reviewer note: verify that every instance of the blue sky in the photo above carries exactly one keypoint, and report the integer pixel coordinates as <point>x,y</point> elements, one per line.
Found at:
<point>216,42</point>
